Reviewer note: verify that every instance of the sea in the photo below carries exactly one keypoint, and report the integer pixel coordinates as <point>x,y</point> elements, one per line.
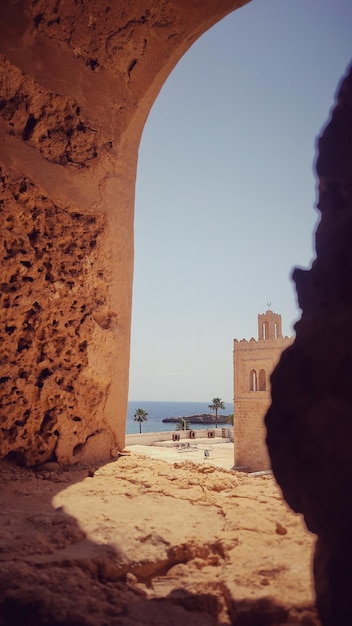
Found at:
<point>158,410</point>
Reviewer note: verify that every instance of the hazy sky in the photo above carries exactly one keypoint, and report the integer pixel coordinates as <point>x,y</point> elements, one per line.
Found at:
<point>226,191</point>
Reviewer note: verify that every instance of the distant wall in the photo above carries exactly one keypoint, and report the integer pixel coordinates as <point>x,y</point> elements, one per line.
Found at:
<point>148,439</point>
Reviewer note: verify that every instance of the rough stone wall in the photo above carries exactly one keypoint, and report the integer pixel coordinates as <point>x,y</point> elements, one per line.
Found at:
<point>50,303</point>
<point>309,424</point>
<point>251,406</point>
<point>77,80</point>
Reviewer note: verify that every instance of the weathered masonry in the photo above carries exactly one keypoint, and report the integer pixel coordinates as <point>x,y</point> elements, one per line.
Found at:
<point>253,363</point>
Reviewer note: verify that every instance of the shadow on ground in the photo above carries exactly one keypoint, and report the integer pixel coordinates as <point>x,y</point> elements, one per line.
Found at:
<point>51,574</point>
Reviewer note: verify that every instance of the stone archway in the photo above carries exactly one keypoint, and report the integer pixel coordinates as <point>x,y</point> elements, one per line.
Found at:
<point>77,83</point>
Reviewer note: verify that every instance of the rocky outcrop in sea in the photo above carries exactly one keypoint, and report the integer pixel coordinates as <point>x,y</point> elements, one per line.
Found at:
<point>203,418</point>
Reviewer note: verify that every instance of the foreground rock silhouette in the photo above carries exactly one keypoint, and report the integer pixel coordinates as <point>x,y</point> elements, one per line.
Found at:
<point>310,420</point>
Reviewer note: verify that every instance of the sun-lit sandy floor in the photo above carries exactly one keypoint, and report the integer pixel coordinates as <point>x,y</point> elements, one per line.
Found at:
<point>158,536</point>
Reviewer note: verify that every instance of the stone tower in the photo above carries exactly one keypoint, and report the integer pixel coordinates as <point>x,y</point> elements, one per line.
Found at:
<point>253,362</point>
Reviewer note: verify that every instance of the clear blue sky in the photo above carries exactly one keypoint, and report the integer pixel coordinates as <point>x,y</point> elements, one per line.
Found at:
<point>226,191</point>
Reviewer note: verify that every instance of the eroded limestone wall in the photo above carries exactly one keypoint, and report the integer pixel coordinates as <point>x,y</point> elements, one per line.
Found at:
<point>51,302</point>
<point>77,81</point>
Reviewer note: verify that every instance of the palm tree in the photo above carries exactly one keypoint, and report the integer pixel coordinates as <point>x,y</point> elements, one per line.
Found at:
<point>182,424</point>
<point>140,416</point>
<point>217,404</point>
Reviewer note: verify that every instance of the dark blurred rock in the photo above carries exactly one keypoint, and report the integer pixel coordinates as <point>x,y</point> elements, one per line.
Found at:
<point>309,424</point>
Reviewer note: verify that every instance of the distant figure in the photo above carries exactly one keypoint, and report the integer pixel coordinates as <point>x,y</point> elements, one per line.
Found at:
<point>206,454</point>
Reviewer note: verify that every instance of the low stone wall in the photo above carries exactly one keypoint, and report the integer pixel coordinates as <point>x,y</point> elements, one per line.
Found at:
<point>148,439</point>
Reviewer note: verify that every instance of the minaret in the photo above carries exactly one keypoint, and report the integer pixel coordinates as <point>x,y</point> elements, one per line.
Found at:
<point>269,326</point>
<point>253,363</point>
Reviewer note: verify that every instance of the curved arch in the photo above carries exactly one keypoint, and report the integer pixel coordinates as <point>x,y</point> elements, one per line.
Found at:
<point>98,92</point>
<point>253,380</point>
<point>262,380</point>
<point>265,330</point>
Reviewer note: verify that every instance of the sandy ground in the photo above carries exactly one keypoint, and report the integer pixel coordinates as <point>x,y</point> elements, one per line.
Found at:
<point>219,454</point>
<point>156,537</point>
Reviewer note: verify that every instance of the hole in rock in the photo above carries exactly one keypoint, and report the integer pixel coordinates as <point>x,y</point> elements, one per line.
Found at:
<point>29,127</point>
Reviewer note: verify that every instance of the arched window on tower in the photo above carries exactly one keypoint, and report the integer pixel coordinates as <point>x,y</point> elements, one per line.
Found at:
<point>265,330</point>
<point>275,331</point>
<point>262,380</point>
<point>253,382</point>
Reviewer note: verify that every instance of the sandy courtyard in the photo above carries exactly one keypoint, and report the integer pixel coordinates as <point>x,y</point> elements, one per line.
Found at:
<point>149,541</point>
<point>219,454</point>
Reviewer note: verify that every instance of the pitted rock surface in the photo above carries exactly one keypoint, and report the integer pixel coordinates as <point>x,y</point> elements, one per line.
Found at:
<point>50,303</point>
